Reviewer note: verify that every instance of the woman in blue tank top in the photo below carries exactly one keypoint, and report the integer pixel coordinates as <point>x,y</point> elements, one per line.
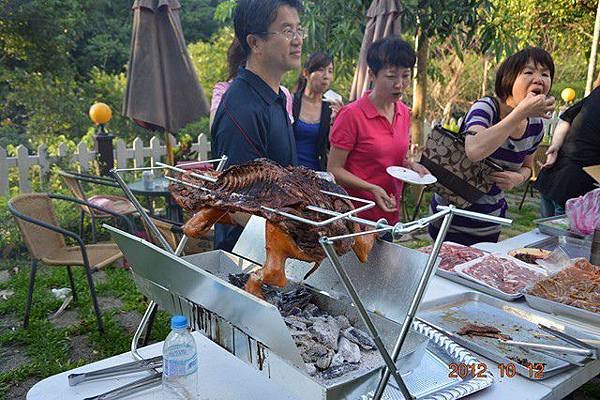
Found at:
<point>312,115</point>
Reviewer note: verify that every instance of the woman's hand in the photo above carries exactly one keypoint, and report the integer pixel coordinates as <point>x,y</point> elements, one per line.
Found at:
<point>418,168</point>
<point>551,155</point>
<point>335,106</point>
<point>536,105</point>
<point>383,200</point>
<point>507,180</point>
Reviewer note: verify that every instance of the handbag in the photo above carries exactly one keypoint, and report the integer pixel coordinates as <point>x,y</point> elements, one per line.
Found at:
<point>460,181</point>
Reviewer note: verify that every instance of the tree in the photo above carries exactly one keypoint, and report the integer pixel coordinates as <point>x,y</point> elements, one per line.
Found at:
<point>435,20</point>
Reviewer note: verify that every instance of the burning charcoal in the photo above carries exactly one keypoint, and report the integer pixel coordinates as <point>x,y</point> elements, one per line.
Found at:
<point>295,311</point>
<point>359,337</point>
<point>311,311</point>
<point>324,362</point>
<point>326,331</point>
<point>300,335</point>
<point>296,323</point>
<point>310,350</point>
<point>342,321</point>
<point>350,351</point>
<point>338,359</point>
<point>339,370</point>
<point>310,368</point>
<point>298,297</point>
<point>238,280</point>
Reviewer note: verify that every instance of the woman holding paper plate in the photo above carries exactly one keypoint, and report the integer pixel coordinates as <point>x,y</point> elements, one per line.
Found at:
<point>314,108</point>
<point>371,134</point>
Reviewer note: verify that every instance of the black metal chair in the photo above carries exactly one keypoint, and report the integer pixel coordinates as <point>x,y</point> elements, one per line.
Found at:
<point>45,240</point>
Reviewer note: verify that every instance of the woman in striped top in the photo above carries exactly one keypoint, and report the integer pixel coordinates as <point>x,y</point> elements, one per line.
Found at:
<point>506,129</point>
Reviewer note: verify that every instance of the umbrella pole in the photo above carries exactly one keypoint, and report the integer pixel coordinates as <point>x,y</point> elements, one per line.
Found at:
<point>170,155</point>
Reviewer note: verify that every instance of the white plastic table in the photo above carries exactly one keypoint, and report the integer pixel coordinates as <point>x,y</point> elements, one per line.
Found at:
<point>222,376</point>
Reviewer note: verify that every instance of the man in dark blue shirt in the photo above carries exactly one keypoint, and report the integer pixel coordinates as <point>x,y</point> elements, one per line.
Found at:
<point>251,120</point>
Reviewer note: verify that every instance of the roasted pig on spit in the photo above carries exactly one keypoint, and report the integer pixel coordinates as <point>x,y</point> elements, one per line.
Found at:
<point>246,188</point>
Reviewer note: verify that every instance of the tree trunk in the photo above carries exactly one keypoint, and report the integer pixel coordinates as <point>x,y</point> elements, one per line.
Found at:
<point>420,88</point>
<point>486,70</point>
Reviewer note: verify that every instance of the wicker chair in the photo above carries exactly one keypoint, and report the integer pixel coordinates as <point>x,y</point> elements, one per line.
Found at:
<point>117,204</point>
<point>45,240</point>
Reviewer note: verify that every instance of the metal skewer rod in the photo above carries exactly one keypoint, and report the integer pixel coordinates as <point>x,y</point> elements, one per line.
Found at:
<point>136,169</point>
<point>194,174</point>
<point>333,257</point>
<point>414,305</point>
<point>367,204</point>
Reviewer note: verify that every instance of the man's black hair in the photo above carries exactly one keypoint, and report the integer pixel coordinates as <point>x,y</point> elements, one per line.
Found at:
<point>511,68</point>
<point>255,16</point>
<point>390,51</point>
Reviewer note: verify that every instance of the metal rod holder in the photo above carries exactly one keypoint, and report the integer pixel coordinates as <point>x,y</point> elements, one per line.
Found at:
<point>446,212</point>
<point>333,257</point>
<point>399,229</point>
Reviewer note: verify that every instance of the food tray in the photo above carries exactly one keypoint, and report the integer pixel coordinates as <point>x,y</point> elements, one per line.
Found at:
<point>452,312</point>
<point>450,244</point>
<point>574,247</point>
<point>560,309</point>
<point>430,381</point>
<point>486,288</point>
<point>556,226</point>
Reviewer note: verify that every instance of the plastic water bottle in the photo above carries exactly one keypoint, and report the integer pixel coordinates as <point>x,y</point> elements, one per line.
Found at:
<point>180,362</point>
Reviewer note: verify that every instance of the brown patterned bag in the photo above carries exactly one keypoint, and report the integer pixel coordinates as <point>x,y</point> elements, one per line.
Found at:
<point>459,180</point>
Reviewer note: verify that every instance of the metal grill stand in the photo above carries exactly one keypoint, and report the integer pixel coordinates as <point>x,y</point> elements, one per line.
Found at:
<point>446,212</point>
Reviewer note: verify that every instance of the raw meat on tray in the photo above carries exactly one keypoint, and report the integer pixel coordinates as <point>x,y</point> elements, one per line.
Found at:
<point>501,272</point>
<point>454,254</point>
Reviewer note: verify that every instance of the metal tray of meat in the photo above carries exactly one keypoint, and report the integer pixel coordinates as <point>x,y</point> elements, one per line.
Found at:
<point>430,380</point>
<point>444,272</point>
<point>556,226</point>
<point>454,277</point>
<point>488,288</point>
<point>574,247</point>
<point>451,313</point>
<point>560,309</point>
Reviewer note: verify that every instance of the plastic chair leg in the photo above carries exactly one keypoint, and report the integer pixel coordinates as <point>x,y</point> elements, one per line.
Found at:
<point>524,195</point>
<point>30,293</point>
<point>72,283</point>
<point>88,273</point>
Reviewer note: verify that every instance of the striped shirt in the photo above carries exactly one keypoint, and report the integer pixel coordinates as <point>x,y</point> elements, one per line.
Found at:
<point>510,156</point>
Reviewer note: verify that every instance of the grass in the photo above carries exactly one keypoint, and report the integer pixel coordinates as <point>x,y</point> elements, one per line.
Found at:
<point>47,346</point>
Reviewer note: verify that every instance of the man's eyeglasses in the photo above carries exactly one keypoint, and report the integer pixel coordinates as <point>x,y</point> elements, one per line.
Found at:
<point>288,33</point>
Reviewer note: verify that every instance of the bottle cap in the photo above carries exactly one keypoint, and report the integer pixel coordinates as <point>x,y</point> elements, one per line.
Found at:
<point>179,322</point>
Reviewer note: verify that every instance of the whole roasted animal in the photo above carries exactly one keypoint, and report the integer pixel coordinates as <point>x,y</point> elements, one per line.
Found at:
<point>247,188</point>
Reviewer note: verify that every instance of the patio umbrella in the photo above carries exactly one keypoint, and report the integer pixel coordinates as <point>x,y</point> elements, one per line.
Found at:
<point>163,91</point>
<point>383,21</point>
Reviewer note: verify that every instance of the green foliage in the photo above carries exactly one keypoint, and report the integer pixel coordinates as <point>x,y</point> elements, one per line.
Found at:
<point>210,59</point>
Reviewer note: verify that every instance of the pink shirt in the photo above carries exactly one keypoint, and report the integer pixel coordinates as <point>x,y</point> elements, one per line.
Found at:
<point>221,87</point>
<point>374,144</point>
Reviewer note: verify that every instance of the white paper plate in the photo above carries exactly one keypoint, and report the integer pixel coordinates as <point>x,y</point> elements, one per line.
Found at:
<point>331,96</point>
<point>410,176</point>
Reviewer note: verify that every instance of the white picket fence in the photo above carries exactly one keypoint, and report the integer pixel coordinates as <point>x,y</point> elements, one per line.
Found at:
<point>40,163</point>
<point>26,163</point>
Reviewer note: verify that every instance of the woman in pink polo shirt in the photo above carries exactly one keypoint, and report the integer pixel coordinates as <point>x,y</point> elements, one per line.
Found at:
<point>371,134</point>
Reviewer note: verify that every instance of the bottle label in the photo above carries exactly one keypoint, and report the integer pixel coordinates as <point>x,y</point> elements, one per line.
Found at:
<point>180,367</point>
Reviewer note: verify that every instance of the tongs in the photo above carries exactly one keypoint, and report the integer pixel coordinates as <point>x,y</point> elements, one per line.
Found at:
<point>127,368</point>
<point>580,348</point>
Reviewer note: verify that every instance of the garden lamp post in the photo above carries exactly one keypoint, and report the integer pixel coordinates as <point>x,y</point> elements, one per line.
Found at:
<point>100,114</point>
